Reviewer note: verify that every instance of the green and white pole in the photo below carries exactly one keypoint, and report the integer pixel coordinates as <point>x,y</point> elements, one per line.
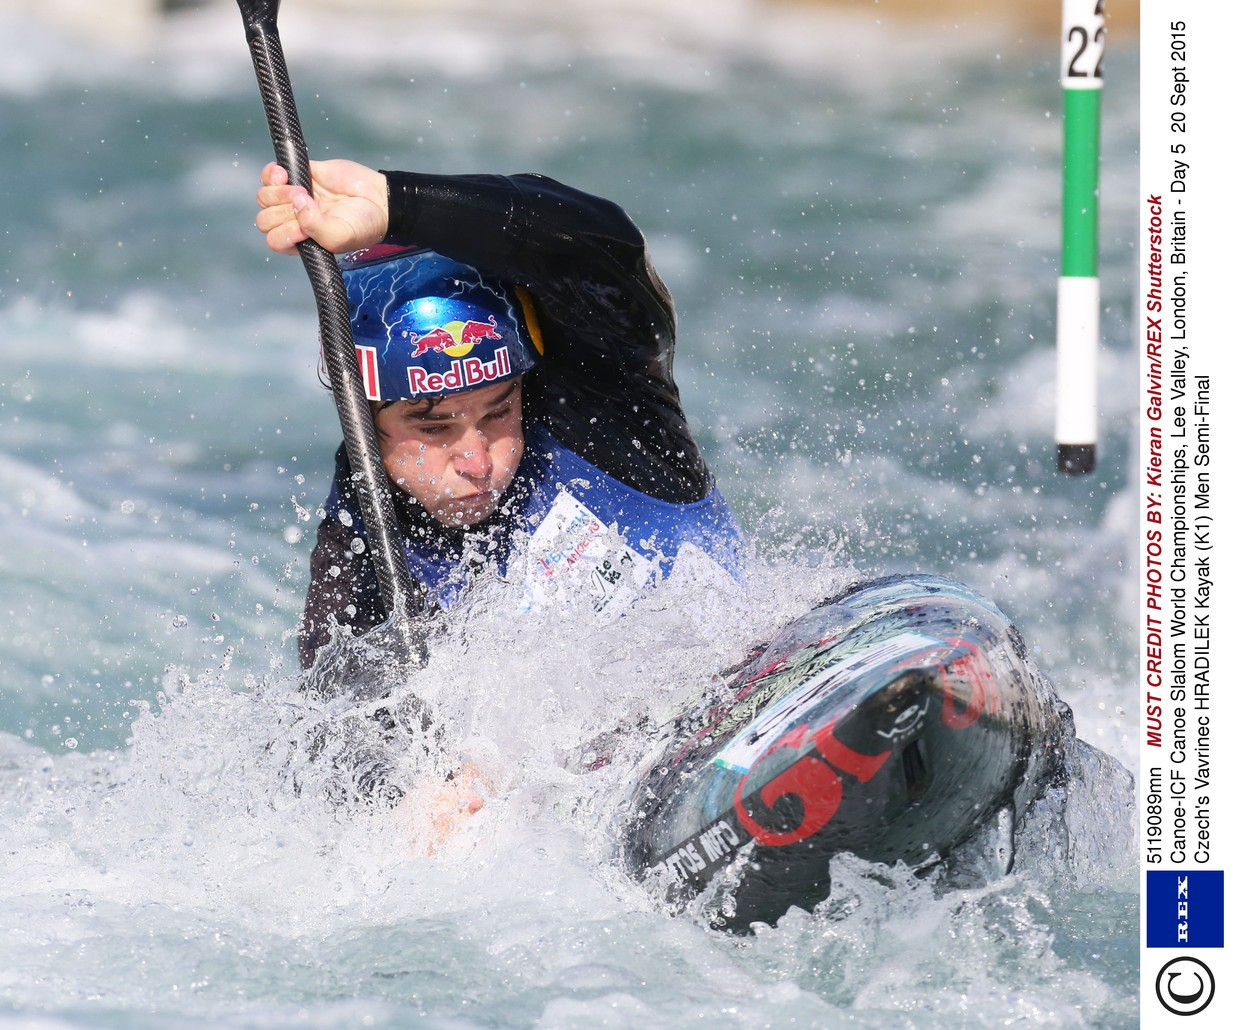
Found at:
<point>1076,414</point>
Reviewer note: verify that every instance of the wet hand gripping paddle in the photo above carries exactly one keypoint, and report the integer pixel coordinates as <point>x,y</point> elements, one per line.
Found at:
<point>338,348</point>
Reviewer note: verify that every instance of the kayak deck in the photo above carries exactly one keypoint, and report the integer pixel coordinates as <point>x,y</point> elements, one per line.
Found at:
<point>893,722</point>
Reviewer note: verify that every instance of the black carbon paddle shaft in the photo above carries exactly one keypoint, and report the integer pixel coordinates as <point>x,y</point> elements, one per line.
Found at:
<point>337,345</point>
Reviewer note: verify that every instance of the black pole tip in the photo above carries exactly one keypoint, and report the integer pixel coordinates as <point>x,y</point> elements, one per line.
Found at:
<point>1076,459</point>
<point>256,12</point>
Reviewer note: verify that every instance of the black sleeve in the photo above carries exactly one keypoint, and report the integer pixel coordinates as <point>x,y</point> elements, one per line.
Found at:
<point>607,319</point>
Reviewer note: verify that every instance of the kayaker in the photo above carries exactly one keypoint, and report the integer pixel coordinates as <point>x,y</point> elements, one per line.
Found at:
<point>517,347</point>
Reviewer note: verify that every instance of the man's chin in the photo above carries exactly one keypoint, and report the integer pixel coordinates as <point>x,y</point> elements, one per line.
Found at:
<point>467,513</point>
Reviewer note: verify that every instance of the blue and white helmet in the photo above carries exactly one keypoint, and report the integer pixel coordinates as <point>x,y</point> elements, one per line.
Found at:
<point>428,326</point>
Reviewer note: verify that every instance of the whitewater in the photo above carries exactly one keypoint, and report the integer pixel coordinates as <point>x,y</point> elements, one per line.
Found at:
<point>859,220</point>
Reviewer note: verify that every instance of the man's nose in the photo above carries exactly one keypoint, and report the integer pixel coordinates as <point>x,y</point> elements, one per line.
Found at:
<point>472,458</point>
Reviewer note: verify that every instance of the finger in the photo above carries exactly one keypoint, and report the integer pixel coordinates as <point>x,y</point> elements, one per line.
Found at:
<point>285,238</point>
<point>269,218</point>
<point>272,196</point>
<point>307,213</point>
<point>277,194</point>
<point>273,174</point>
<point>330,232</point>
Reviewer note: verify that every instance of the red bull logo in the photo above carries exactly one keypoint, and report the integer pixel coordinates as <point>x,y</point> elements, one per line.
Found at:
<point>464,374</point>
<point>455,339</point>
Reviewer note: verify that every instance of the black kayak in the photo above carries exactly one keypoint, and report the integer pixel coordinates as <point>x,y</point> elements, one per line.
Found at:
<point>896,722</point>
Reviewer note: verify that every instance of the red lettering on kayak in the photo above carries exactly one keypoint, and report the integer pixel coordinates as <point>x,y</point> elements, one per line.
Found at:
<point>814,782</point>
<point>968,691</point>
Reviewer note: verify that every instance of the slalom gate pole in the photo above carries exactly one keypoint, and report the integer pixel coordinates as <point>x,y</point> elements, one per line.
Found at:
<point>1077,321</point>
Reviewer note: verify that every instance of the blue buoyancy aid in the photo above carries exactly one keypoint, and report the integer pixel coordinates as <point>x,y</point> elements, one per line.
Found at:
<point>577,530</point>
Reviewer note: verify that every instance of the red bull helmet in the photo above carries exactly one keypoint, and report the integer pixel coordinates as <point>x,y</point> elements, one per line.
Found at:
<point>427,326</point>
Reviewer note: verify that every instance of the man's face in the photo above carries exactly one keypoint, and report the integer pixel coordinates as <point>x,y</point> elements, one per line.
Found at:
<point>458,455</point>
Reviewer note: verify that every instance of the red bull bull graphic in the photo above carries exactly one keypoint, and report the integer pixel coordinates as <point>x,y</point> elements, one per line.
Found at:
<point>455,339</point>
